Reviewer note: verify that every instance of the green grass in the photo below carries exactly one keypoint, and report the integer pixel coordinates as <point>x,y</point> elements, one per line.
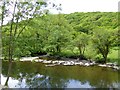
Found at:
<point>90,53</point>
<point>113,55</point>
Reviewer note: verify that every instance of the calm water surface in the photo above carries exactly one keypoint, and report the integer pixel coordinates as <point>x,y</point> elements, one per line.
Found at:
<point>36,75</point>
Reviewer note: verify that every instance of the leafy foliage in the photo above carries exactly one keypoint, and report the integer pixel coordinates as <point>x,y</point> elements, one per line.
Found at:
<point>57,34</point>
<point>103,40</point>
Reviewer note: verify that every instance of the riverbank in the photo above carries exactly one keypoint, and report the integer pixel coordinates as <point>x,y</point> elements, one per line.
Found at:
<point>50,62</point>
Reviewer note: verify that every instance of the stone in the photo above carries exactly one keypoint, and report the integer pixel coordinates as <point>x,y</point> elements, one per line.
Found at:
<point>84,61</point>
<point>38,60</point>
<point>115,67</point>
<point>51,65</point>
<point>102,65</point>
<point>78,63</point>
<point>67,63</point>
<point>45,61</point>
<point>72,62</point>
<point>61,62</point>
<point>87,64</point>
<point>115,63</point>
<point>92,63</point>
<point>28,58</point>
<point>110,64</point>
<point>55,62</point>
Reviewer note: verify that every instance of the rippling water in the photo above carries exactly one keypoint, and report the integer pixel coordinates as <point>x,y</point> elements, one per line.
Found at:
<point>36,75</point>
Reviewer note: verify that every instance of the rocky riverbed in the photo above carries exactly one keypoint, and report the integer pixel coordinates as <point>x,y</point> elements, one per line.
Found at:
<point>68,62</point>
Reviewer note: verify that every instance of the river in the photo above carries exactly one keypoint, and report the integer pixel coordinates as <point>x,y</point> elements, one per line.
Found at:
<point>37,75</point>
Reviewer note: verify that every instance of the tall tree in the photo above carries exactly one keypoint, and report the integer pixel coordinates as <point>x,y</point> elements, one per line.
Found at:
<point>81,41</point>
<point>18,12</point>
<point>103,40</point>
<point>59,35</point>
<point>1,15</point>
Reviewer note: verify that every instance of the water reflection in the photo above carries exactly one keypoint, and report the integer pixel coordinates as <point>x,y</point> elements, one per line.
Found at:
<point>77,84</point>
<point>8,73</point>
<point>12,83</point>
<point>42,82</point>
<point>36,75</point>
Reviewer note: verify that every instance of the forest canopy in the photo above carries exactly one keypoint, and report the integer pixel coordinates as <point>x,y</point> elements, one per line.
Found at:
<point>92,35</point>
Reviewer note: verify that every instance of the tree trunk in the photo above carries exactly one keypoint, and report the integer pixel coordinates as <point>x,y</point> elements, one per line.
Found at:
<point>8,74</point>
<point>80,51</point>
<point>105,58</point>
<point>3,10</point>
<point>58,48</point>
<point>11,43</point>
<point>105,53</point>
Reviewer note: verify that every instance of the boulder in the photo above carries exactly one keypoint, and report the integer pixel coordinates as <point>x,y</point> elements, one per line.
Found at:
<point>61,62</point>
<point>102,65</point>
<point>68,63</point>
<point>51,65</point>
<point>116,67</point>
<point>85,61</point>
<point>28,58</point>
<point>45,61</point>
<point>78,63</point>
<point>87,64</point>
<point>55,62</point>
<point>38,60</point>
<point>110,64</point>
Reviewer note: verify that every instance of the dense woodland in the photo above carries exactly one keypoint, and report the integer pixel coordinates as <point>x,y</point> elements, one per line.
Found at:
<point>90,35</point>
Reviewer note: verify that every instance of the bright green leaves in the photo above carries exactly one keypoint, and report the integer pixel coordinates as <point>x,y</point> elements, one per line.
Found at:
<point>103,40</point>
<point>19,15</point>
<point>81,41</point>
<point>81,34</point>
<point>59,33</point>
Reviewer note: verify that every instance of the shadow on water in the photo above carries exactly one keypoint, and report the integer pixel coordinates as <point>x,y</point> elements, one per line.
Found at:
<point>36,75</point>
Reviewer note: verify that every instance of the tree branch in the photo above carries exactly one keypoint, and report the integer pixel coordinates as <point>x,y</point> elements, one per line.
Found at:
<point>22,29</point>
<point>16,26</point>
<point>11,36</point>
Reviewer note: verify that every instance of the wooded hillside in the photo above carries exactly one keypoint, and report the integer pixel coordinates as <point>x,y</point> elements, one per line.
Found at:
<point>90,35</point>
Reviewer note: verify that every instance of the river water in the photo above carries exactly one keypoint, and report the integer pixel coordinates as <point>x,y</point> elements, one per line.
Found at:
<point>37,75</point>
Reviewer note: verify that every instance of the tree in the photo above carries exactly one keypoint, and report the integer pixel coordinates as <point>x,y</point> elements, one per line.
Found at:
<point>103,40</point>
<point>59,34</point>
<point>22,12</point>
<point>81,41</point>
